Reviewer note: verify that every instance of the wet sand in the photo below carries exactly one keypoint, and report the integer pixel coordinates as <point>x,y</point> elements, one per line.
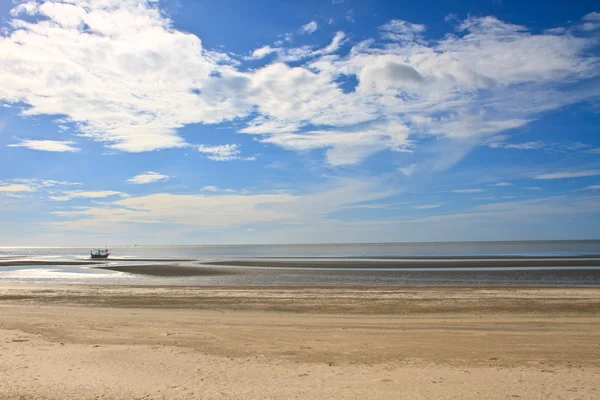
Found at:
<point>488,263</point>
<point>355,300</point>
<point>168,270</point>
<point>15,262</point>
<point>461,257</point>
<point>18,263</point>
<point>96,342</point>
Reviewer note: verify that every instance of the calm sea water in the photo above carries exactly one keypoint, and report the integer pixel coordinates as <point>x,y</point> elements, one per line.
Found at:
<point>549,275</point>
<point>552,248</point>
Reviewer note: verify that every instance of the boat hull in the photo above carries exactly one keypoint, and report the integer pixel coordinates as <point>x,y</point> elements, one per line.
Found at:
<point>99,255</point>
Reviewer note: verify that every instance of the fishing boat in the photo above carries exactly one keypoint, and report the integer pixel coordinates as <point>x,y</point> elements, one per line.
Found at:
<point>100,253</point>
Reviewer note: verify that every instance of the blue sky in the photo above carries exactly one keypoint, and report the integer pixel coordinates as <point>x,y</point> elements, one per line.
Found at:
<point>203,122</point>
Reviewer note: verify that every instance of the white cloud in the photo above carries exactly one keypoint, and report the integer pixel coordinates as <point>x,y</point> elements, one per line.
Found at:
<point>82,194</point>
<point>500,184</point>
<point>451,17</point>
<point>592,22</point>
<point>12,195</point>
<point>12,188</point>
<point>398,30</point>
<point>199,211</point>
<point>216,189</point>
<point>148,177</point>
<point>264,51</point>
<point>592,187</point>
<point>467,191</point>
<point>568,174</point>
<point>519,211</point>
<point>551,147</point>
<point>347,147</point>
<point>594,151</point>
<point>518,146</point>
<point>31,185</point>
<point>47,145</point>
<point>220,211</point>
<point>532,188</point>
<point>118,70</point>
<point>411,169</point>
<point>593,16</point>
<point>299,53</point>
<point>309,28</point>
<point>335,44</point>
<point>426,207</point>
<point>349,16</point>
<point>225,152</point>
<point>124,75</point>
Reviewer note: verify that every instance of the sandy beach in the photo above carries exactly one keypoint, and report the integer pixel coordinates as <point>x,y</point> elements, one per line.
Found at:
<point>94,342</point>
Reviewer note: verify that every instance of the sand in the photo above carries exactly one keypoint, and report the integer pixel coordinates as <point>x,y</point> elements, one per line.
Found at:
<point>459,257</point>
<point>169,270</point>
<point>92,342</point>
<point>386,263</point>
<point>15,263</point>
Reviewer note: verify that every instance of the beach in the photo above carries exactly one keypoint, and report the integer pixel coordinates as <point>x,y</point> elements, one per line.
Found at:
<point>419,342</point>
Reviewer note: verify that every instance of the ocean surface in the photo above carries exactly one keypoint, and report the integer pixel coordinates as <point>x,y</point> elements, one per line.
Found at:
<point>61,270</point>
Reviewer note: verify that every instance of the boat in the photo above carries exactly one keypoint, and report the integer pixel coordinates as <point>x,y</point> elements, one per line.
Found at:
<point>100,253</point>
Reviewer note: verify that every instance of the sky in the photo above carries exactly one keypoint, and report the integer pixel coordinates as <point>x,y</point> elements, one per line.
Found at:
<point>319,121</point>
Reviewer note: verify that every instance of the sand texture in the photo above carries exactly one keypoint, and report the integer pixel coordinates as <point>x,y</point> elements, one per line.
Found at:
<point>168,270</point>
<point>86,342</point>
<point>386,263</point>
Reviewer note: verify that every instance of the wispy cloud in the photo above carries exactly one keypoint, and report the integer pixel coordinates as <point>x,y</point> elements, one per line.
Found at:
<point>31,185</point>
<point>398,30</point>
<point>592,187</point>
<point>532,188</point>
<point>47,145</point>
<point>501,184</point>
<point>568,174</point>
<point>309,28</point>
<point>299,53</point>
<point>82,194</point>
<point>551,147</point>
<point>349,16</point>
<point>216,189</point>
<point>467,191</point>
<point>225,152</point>
<point>426,206</point>
<point>15,188</point>
<point>220,210</point>
<point>518,146</point>
<point>264,51</point>
<point>148,177</point>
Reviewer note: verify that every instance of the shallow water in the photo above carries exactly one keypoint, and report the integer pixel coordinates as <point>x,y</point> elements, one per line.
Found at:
<point>86,274</point>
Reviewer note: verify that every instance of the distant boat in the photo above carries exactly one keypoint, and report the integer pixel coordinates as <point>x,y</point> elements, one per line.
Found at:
<point>100,253</point>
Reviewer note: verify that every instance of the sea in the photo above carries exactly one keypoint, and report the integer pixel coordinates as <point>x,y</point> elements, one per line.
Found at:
<point>61,269</point>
